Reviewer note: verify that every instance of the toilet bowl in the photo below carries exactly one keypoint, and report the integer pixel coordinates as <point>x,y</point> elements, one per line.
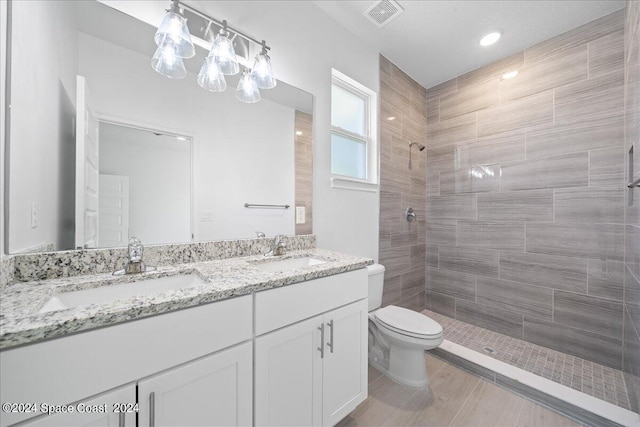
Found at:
<point>398,337</point>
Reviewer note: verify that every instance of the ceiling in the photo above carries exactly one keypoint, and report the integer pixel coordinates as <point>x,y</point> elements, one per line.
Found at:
<point>435,41</point>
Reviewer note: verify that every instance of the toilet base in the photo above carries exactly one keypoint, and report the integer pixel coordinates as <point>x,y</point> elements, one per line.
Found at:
<point>406,367</point>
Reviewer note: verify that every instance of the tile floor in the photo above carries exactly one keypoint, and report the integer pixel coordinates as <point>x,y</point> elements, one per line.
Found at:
<point>454,398</point>
<point>588,377</point>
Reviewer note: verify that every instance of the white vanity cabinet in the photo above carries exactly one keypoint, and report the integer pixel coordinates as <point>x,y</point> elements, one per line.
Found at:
<point>99,411</point>
<point>311,357</point>
<point>213,391</point>
<point>82,366</point>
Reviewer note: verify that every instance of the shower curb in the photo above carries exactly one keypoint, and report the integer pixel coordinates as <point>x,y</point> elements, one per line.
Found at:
<point>572,403</point>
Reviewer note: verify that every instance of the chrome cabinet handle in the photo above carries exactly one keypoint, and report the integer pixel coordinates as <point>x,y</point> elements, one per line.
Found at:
<point>330,343</point>
<point>152,409</point>
<point>321,348</point>
<point>121,419</point>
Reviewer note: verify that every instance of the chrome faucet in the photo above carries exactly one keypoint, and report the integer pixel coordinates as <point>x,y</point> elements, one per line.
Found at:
<point>278,247</point>
<point>135,250</point>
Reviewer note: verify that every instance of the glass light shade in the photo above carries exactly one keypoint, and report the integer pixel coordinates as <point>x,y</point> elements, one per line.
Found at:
<point>247,90</point>
<point>210,77</point>
<point>174,28</point>
<point>262,72</point>
<point>167,62</point>
<point>224,54</point>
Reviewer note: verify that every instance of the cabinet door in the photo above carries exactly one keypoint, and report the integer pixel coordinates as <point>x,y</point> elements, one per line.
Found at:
<point>288,376</point>
<point>213,391</point>
<point>96,411</point>
<point>345,361</point>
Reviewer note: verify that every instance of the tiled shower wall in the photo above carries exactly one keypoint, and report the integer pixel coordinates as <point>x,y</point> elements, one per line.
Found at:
<point>304,169</point>
<point>631,345</point>
<point>526,193</point>
<point>402,243</point>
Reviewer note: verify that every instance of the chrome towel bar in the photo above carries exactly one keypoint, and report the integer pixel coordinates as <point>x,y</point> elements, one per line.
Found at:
<point>253,205</point>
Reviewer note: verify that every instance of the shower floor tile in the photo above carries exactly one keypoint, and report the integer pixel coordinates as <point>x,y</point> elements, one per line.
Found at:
<point>588,377</point>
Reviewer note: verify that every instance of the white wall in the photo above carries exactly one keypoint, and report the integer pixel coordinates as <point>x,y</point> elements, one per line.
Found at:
<point>243,152</point>
<point>42,75</point>
<point>3,100</point>
<point>159,171</point>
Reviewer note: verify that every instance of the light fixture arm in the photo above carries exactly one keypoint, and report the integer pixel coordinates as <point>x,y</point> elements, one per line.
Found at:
<point>222,24</point>
<point>175,7</point>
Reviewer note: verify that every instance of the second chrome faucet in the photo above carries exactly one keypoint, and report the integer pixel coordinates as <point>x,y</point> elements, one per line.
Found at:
<point>278,247</point>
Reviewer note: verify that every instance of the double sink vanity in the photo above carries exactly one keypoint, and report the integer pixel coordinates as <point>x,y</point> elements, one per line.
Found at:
<point>237,341</point>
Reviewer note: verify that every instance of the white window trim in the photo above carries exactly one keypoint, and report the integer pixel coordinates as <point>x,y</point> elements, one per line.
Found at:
<point>371,115</point>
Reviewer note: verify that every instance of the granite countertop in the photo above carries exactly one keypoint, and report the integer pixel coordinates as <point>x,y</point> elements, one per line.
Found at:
<point>20,303</point>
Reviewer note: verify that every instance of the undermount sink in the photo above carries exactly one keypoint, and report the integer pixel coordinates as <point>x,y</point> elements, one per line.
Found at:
<point>104,294</point>
<point>288,264</point>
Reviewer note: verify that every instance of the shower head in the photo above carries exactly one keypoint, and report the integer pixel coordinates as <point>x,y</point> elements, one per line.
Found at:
<point>420,146</point>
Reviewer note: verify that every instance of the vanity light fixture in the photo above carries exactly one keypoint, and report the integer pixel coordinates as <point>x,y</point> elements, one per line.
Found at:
<point>247,90</point>
<point>173,31</point>
<point>174,43</point>
<point>509,75</point>
<point>223,52</point>
<point>490,38</point>
<point>262,72</point>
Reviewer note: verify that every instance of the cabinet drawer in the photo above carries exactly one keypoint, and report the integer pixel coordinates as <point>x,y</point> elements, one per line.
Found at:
<point>276,308</point>
<point>67,369</point>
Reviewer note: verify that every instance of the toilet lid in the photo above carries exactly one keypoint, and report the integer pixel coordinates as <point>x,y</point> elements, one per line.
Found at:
<point>403,319</point>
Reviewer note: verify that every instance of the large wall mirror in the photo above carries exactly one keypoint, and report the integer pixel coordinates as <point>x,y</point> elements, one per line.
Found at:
<point>170,163</point>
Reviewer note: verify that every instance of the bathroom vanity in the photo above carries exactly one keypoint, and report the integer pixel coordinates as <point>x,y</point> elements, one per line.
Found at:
<point>240,349</point>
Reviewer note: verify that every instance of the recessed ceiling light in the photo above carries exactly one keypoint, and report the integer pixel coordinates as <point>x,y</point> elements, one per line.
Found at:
<point>298,132</point>
<point>490,38</point>
<point>391,118</point>
<point>510,75</point>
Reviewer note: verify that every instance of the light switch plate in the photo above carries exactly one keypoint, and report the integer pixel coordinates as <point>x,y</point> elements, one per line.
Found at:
<point>206,216</point>
<point>300,214</point>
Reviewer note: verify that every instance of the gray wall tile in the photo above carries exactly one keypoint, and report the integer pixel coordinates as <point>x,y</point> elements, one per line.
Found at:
<point>552,139</point>
<point>590,99</point>
<point>567,170</point>
<point>598,348</point>
<point>441,232</point>
<point>588,313</point>
<point>489,317</point>
<point>470,98</point>
<point>591,205</point>
<point>479,261</point>
<point>462,206</point>
<point>604,167</point>
<point>606,279</point>
<point>522,298</point>
<point>529,111</point>
<point>529,205</point>
<point>606,54</point>
<point>496,235</point>
<point>494,148</point>
<point>447,132</point>
<point>565,273</point>
<point>583,34</point>
<point>440,303</point>
<point>597,241</point>
<point>451,283</point>
<point>553,71</point>
<point>631,287</point>
<point>473,179</point>
<point>492,71</point>
<point>432,255</point>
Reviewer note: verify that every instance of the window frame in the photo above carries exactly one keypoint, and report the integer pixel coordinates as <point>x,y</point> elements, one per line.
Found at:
<point>370,182</point>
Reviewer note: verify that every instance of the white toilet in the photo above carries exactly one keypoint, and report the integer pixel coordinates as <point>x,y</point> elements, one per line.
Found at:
<point>398,337</point>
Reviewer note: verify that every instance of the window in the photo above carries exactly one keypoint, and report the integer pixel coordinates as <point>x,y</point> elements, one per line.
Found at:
<point>353,134</point>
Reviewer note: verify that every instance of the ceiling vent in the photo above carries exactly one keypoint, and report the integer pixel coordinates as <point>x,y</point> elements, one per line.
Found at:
<point>382,12</point>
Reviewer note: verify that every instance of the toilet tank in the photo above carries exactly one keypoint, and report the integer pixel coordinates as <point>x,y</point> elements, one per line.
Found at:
<point>376,283</point>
